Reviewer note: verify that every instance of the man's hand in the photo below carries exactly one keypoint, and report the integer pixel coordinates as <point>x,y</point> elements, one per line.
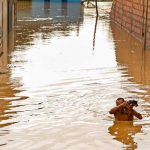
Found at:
<point>124,104</point>
<point>127,105</point>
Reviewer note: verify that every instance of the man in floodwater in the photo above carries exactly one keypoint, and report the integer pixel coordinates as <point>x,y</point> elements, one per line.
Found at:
<point>124,111</point>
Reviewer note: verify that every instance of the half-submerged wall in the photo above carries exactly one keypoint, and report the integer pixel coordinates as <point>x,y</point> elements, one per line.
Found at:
<point>134,16</point>
<point>7,21</point>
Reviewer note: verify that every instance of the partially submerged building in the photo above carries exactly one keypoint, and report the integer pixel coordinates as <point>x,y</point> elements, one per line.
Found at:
<point>59,10</point>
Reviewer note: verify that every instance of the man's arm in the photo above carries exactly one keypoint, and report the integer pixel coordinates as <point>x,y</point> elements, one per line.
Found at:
<point>115,109</point>
<point>136,114</point>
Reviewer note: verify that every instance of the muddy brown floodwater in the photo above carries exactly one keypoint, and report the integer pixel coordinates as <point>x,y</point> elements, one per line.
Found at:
<point>60,73</point>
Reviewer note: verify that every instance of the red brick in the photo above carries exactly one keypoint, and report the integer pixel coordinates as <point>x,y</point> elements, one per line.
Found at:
<point>129,14</point>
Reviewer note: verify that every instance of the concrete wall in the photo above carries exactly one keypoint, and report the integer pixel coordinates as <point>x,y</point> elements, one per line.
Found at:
<point>131,15</point>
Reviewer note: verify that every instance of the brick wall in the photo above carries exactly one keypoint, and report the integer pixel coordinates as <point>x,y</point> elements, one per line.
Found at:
<point>131,15</point>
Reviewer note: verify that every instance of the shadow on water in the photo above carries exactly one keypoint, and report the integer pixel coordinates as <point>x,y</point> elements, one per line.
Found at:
<point>124,132</point>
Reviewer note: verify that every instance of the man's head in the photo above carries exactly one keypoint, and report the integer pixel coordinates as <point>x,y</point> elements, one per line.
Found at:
<point>119,101</point>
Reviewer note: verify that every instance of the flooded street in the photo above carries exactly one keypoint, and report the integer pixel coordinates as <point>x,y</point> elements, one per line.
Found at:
<point>60,74</point>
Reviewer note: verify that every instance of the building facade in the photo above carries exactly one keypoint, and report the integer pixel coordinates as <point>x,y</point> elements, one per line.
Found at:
<point>50,9</point>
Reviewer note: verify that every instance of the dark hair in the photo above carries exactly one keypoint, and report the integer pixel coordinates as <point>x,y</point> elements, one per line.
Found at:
<point>120,98</point>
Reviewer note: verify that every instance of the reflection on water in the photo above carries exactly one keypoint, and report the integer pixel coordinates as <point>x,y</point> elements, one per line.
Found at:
<point>95,28</point>
<point>61,72</point>
<point>8,94</point>
<point>129,52</point>
<point>124,132</point>
<point>6,45</point>
<point>7,20</point>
